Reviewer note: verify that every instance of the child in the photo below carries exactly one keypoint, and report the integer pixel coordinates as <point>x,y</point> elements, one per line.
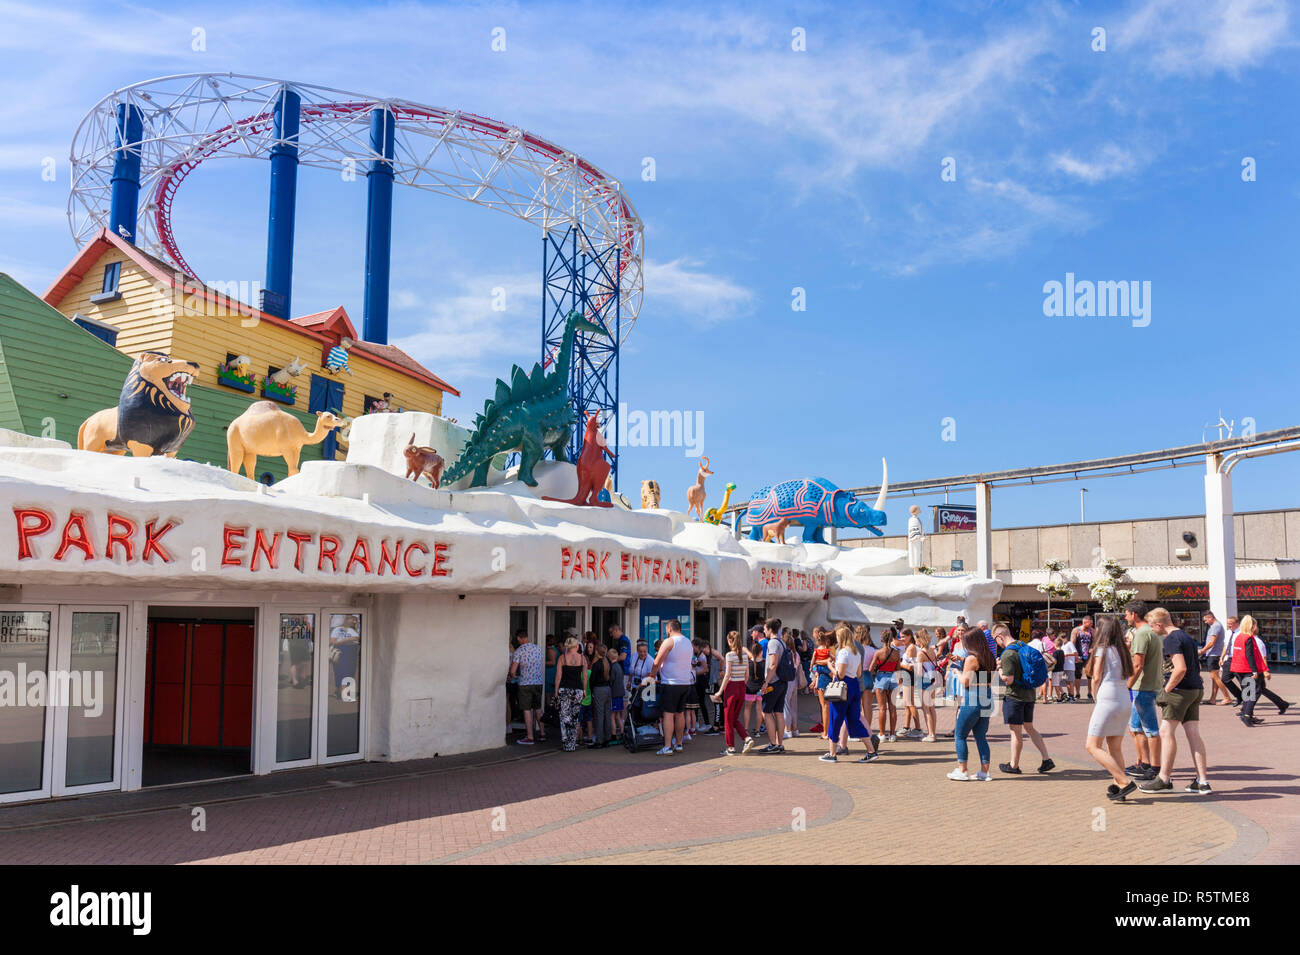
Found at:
<point>616,691</point>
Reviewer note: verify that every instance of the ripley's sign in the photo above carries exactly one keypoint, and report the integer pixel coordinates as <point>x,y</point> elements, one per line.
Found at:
<point>122,541</point>
<point>950,518</point>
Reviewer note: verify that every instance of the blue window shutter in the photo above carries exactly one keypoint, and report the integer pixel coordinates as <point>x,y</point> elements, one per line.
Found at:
<point>112,272</point>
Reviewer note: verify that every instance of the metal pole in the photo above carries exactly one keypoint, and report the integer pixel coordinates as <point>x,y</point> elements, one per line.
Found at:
<point>1082,492</point>
<point>284,191</point>
<point>379,226</point>
<point>126,172</point>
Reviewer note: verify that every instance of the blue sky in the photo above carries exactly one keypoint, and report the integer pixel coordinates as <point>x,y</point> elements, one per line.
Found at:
<point>775,169</point>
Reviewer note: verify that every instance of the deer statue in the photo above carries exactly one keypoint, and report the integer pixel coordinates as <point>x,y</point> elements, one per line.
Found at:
<point>266,430</point>
<point>695,493</point>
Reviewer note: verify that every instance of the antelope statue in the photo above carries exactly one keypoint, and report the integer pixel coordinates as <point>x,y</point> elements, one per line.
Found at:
<point>695,493</point>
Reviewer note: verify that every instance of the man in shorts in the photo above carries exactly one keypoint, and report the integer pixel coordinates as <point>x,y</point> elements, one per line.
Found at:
<point>1018,705</point>
<point>672,668</point>
<point>1180,704</point>
<point>1148,674</point>
<point>1215,639</point>
<point>773,690</point>
<point>528,666</point>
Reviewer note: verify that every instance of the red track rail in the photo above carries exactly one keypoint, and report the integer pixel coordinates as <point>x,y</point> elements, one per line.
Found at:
<point>222,138</point>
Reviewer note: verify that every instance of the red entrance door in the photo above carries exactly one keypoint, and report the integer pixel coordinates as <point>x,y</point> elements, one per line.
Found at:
<point>199,684</point>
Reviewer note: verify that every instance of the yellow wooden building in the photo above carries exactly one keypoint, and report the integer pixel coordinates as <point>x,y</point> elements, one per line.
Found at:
<point>137,302</point>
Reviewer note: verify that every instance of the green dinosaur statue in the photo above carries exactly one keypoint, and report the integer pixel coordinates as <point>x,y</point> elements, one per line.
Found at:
<point>529,415</point>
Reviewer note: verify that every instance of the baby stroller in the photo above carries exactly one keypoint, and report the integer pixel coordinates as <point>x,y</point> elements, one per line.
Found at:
<point>641,725</point>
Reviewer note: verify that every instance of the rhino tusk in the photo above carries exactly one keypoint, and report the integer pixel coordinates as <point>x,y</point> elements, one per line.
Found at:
<point>884,485</point>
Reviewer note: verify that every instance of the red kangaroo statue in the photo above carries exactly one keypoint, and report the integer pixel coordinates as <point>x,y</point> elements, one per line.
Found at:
<point>593,469</point>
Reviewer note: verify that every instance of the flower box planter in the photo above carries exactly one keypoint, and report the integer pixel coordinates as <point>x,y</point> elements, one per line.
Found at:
<point>285,395</point>
<point>234,380</point>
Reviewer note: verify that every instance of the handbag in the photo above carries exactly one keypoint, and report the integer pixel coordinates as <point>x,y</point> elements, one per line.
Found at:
<point>837,691</point>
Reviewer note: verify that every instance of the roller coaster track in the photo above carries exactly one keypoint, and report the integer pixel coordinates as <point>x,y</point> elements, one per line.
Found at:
<point>191,118</point>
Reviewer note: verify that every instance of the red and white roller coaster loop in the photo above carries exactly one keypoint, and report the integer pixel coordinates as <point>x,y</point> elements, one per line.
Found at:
<point>194,117</point>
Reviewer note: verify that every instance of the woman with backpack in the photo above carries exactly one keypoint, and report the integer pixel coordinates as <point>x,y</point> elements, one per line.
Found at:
<point>975,666</point>
<point>1108,670</point>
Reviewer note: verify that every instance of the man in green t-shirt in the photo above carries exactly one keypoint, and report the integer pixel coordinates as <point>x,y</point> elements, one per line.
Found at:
<point>1148,674</point>
<point>1017,704</point>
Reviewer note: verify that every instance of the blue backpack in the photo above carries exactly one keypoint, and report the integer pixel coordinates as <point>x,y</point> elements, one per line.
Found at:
<point>1033,668</point>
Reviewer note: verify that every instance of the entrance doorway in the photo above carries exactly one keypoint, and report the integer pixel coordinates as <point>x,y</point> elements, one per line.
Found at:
<point>198,718</point>
<point>564,621</point>
<point>602,618</point>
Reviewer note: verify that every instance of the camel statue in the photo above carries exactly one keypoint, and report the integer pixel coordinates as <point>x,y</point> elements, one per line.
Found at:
<point>266,430</point>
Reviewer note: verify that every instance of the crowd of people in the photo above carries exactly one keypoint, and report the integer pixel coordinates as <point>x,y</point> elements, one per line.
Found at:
<point>1143,676</point>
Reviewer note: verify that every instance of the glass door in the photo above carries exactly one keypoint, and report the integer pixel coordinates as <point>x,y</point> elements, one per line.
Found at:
<point>295,699</point>
<point>564,622</point>
<point>27,637</point>
<point>525,619</point>
<point>320,675</point>
<point>87,719</point>
<point>343,729</point>
<point>60,722</point>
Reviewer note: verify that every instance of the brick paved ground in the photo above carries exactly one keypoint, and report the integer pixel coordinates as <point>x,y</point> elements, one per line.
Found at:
<point>613,806</point>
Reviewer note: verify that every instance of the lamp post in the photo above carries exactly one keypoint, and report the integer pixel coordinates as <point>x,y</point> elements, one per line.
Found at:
<point>1082,492</point>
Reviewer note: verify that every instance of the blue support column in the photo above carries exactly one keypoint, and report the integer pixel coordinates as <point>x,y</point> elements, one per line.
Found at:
<point>379,227</point>
<point>126,172</point>
<point>284,191</point>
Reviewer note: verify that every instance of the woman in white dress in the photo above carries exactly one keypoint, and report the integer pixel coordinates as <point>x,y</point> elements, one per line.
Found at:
<point>1108,670</point>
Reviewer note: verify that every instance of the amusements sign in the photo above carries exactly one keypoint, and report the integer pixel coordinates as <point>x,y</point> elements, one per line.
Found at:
<point>951,518</point>
<point>1262,591</point>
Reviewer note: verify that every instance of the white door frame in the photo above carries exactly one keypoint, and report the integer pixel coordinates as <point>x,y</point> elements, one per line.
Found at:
<point>320,744</point>
<point>59,737</point>
<point>47,739</point>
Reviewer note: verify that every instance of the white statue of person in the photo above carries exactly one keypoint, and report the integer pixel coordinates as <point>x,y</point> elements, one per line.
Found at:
<point>915,538</point>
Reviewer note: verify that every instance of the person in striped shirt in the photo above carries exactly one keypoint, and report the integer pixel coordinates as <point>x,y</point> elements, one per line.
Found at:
<point>337,359</point>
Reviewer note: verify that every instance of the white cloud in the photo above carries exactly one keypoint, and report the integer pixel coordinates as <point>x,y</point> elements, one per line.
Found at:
<point>1205,38</point>
<point>681,286</point>
<point>462,335</point>
<point>1110,161</point>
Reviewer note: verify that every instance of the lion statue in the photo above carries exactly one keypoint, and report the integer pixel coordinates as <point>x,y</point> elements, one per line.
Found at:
<point>152,415</point>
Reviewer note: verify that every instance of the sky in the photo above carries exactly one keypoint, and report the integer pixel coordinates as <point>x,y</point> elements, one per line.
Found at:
<point>914,175</point>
